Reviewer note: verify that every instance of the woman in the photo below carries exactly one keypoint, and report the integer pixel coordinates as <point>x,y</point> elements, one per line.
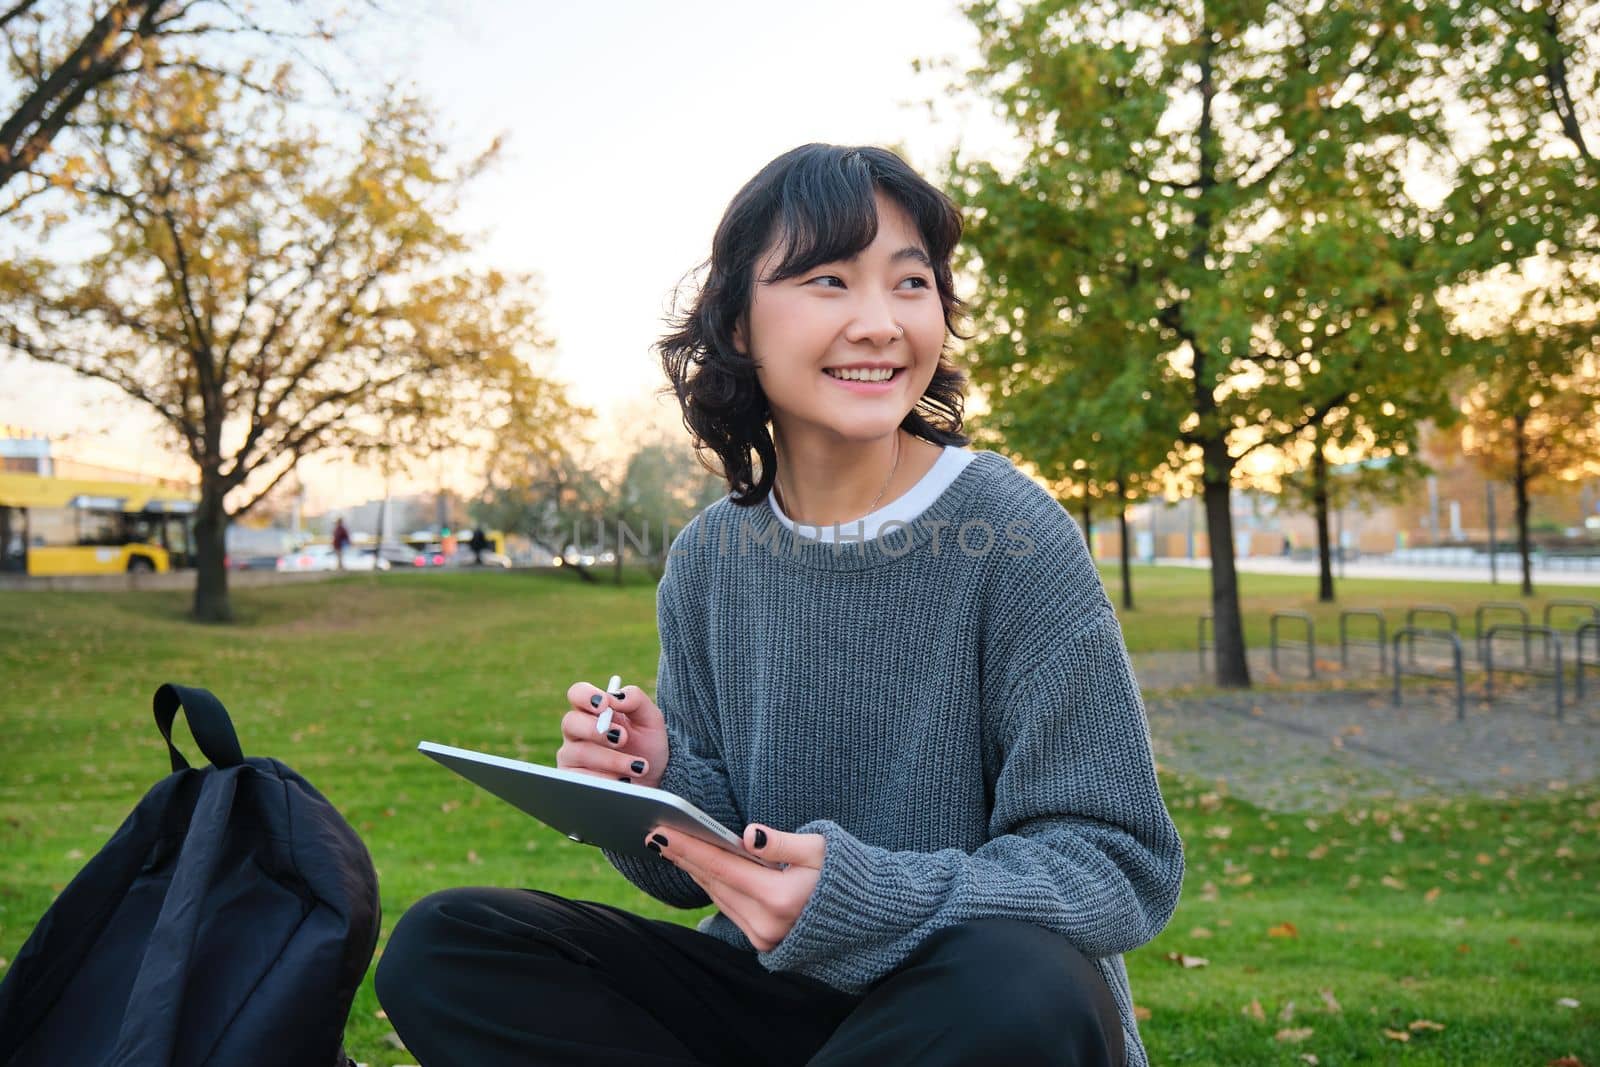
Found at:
<point>886,659</point>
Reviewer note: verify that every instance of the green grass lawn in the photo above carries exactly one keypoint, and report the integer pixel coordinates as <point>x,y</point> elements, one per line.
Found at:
<point>1460,925</point>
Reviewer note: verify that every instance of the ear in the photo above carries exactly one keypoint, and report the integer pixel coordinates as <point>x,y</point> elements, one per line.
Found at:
<point>738,338</point>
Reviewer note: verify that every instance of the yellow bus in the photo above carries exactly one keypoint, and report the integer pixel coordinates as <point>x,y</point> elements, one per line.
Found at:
<point>52,526</point>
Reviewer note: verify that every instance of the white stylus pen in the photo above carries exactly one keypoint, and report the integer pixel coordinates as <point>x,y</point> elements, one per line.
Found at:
<point>603,723</point>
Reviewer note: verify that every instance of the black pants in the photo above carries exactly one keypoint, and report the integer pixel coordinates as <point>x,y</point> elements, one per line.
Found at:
<point>515,976</point>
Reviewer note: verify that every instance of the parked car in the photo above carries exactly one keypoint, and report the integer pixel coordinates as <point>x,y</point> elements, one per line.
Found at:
<point>323,558</point>
<point>400,557</point>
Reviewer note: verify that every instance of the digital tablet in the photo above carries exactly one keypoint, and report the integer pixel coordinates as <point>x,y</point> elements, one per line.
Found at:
<point>588,809</point>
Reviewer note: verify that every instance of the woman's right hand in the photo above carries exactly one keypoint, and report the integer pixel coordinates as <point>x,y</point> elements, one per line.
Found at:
<point>633,749</point>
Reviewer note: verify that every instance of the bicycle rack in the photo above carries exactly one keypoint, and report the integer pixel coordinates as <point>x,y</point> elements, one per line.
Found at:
<point>1310,642</point>
<point>1552,644</point>
<point>1381,644</point>
<point>1562,603</point>
<point>1410,634</point>
<point>1428,609</point>
<point>1583,629</point>
<point>1501,605</point>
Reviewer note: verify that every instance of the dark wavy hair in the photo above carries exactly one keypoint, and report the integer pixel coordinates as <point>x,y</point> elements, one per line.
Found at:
<point>818,201</point>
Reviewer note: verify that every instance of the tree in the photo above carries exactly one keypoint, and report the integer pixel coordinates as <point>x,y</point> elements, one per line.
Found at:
<point>1363,359</point>
<point>550,496</point>
<point>1533,411</point>
<point>271,290</point>
<point>1323,484</point>
<point>61,55</point>
<point>1530,323</point>
<point>1090,444</point>
<point>662,488</point>
<point>1160,147</point>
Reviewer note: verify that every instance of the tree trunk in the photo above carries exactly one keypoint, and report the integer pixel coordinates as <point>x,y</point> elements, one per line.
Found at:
<point>211,602</point>
<point>1088,525</point>
<point>1127,552</point>
<point>1521,484</point>
<point>617,576</point>
<point>1319,496</point>
<point>1227,624</point>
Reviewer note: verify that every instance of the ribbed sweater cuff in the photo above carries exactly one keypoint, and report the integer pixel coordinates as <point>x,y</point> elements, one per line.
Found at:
<point>841,906</point>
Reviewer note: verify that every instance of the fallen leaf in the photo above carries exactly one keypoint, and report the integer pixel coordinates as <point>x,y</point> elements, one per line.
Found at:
<point>1141,1013</point>
<point>1565,1061</point>
<point>1566,1002</point>
<point>1482,859</point>
<point>1200,932</point>
<point>1330,1004</point>
<point>1241,879</point>
<point>1309,1057</point>
<point>1418,1025</point>
<point>1283,929</point>
<point>1188,962</point>
<point>1254,1011</point>
<point>1219,832</point>
<point>1397,1035</point>
<point>1431,895</point>
<point>472,857</point>
<point>1392,882</point>
<point>1286,1013</point>
<point>380,1014</point>
<point>1294,1033</point>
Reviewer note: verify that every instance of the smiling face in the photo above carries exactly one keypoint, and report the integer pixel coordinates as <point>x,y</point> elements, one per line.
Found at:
<point>811,334</point>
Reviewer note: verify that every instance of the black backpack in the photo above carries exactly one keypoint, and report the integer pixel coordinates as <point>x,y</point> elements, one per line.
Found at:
<point>229,920</point>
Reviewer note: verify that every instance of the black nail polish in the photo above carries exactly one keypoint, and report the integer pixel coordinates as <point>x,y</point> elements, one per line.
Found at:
<point>761,838</point>
<point>624,778</point>
<point>596,700</point>
<point>638,766</point>
<point>613,735</point>
<point>658,839</point>
<point>620,696</point>
<point>653,847</point>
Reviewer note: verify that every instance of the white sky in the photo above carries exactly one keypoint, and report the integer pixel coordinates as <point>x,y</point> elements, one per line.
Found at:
<point>630,124</point>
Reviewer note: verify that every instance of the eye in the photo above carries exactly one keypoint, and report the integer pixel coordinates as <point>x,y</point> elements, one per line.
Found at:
<point>827,278</point>
<point>921,282</point>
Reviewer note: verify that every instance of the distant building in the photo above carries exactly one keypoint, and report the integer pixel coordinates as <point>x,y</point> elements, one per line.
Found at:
<point>22,451</point>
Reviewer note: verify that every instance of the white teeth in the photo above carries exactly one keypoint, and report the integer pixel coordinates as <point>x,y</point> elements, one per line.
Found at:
<point>881,374</point>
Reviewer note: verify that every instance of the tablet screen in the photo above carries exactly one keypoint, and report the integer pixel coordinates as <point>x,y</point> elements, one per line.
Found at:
<point>588,809</point>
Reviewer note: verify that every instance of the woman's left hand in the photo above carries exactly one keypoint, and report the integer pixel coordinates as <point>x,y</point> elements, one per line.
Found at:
<point>761,901</point>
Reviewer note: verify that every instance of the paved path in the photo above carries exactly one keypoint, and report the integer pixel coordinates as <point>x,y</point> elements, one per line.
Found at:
<point>1292,744</point>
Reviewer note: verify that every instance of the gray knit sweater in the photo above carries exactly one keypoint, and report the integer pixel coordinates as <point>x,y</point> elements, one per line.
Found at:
<point>949,704</point>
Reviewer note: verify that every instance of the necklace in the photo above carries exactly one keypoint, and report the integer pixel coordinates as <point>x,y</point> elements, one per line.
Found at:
<point>776,488</point>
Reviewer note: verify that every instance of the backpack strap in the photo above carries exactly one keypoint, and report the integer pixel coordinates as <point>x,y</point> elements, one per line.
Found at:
<point>208,721</point>
<point>151,1021</point>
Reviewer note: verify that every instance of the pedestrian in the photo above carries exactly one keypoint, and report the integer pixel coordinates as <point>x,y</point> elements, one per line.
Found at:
<point>888,660</point>
<point>479,543</point>
<point>341,541</point>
